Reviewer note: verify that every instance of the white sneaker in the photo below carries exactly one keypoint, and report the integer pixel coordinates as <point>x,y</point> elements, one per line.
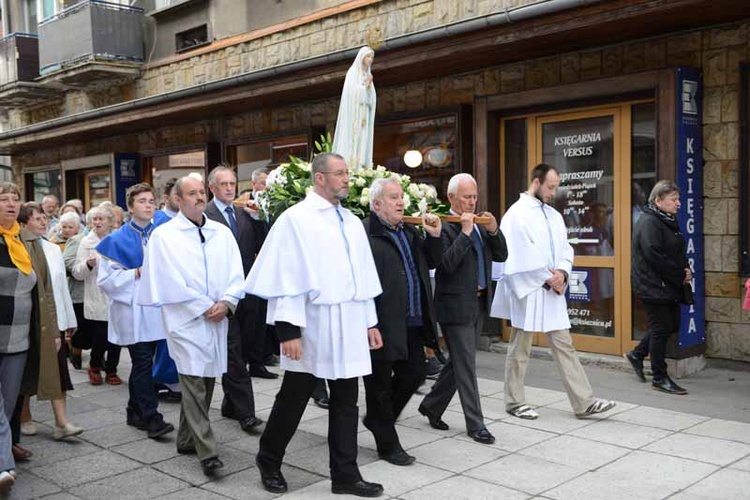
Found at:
<point>28,428</point>
<point>7,480</point>
<point>65,432</point>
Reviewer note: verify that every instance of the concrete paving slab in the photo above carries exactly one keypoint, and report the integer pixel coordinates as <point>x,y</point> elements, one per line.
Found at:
<point>704,449</point>
<point>528,474</point>
<point>85,469</point>
<point>609,486</point>
<point>315,459</point>
<point>582,453</point>
<point>724,429</point>
<point>512,438</point>
<point>149,451</point>
<point>726,484</point>
<point>188,468</point>
<point>133,485</point>
<point>409,438</point>
<point>489,387</point>
<point>113,435</point>
<point>29,485</point>
<point>96,419</point>
<point>194,493</point>
<point>246,484</point>
<point>492,408</point>
<point>743,464</point>
<point>666,473</point>
<point>464,488</point>
<point>620,433</point>
<point>454,419</point>
<point>61,496</point>
<point>657,417</point>
<point>455,455</point>
<point>399,480</point>
<point>47,451</point>
<point>552,420</point>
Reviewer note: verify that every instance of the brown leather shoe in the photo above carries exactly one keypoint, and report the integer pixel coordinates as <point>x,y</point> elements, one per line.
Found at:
<point>21,454</point>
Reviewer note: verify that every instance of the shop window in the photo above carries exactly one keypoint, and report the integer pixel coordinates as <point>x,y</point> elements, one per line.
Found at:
<point>515,160</point>
<point>40,184</point>
<point>744,172</point>
<point>429,145</point>
<point>268,153</point>
<point>643,179</point>
<point>174,166</point>
<point>6,174</point>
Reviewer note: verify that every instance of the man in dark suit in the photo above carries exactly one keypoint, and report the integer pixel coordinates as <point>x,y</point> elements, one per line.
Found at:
<point>463,295</point>
<point>239,402</point>
<point>406,314</point>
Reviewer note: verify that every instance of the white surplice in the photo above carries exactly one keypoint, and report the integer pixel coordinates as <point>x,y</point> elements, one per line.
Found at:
<point>66,316</point>
<point>537,242</point>
<point>129,323</point>
<point>323,281</point>
<point>184,277</point>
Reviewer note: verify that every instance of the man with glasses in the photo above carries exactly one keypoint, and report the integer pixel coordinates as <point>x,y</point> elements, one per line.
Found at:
<point>317,272</point>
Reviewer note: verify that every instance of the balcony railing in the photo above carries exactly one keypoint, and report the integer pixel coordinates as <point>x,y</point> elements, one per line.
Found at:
<point>91,31</point>
<point>19,58</point>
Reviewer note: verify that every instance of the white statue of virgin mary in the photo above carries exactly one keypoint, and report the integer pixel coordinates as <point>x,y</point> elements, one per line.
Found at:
<point>356,121</point>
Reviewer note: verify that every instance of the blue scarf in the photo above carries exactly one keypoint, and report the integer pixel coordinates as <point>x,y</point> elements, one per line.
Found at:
<point>125,245</point>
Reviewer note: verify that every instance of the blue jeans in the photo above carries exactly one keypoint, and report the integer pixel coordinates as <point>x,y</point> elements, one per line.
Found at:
<point>143,402</point>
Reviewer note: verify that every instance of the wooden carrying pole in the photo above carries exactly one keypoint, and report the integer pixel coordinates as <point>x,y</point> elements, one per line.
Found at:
<point>408,219</point>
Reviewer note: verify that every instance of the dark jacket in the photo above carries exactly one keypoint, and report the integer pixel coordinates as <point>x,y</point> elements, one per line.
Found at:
<point>252,233</point>
<point>456,280</point>
<point>392,304</point>
<point>658,259</point>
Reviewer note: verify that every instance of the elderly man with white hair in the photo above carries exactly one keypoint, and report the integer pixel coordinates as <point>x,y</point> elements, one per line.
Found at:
<point>463,296</point>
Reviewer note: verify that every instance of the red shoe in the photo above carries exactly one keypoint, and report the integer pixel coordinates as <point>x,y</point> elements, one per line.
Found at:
<point>113,379</point>
<point>95,377</point>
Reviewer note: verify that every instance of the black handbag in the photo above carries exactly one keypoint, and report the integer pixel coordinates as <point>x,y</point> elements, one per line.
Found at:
<point>687,295</point>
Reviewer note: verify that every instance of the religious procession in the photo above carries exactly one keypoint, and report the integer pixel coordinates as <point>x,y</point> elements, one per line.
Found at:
<point>337,269</point>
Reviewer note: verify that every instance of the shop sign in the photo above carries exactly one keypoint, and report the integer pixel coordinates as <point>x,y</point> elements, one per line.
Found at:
<point>690,217</point>
<point>127,173</point>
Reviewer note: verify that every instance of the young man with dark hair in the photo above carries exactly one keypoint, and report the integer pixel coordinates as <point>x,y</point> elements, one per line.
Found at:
<point>139,328</point>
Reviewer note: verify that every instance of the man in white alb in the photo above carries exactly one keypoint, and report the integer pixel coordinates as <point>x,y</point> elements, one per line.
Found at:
<point>193,272</point>
<point>317,272</point>
<point>531,294</point>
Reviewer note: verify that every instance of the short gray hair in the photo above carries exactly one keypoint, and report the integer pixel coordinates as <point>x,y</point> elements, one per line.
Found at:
<point>257,173</point>
<point>456,180</point>
<point>320,162</point>
<point>221,168</point>
<point>377,187</point>
<point>69,217</point>
<point>661,189</point>
<point>102,211</point>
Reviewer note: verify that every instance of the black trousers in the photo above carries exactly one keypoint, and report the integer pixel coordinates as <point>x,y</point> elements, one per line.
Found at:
<point>287,411</point>
<point>101,346</point>
<point>254,330</point>
<point>239,401</point>
<point>388,390</point>
<point>663,321</point>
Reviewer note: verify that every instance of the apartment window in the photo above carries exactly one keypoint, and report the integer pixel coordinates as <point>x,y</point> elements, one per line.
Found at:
<point>191,39</point>
<point>30,16</point>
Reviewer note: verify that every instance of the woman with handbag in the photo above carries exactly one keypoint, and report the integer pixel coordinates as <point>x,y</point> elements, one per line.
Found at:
<point>660,277</point>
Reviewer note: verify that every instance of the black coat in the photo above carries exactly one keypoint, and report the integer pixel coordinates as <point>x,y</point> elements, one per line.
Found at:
<point>658,259</point>
<point>392,304</point>
<point>456,279</point>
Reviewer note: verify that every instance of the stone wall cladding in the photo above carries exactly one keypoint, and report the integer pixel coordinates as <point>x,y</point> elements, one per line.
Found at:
<point>718,51</point>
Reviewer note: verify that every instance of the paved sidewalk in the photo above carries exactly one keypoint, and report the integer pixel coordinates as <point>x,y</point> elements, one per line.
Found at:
<point>636,451</point>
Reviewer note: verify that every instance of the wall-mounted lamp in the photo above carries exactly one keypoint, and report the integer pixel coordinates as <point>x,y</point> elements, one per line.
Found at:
<point>413,158</point>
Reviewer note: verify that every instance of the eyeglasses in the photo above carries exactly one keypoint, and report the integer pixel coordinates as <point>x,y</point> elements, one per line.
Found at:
<point>337,173</point>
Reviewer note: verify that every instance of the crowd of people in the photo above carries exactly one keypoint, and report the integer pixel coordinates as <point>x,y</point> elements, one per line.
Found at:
<point>200,289</point>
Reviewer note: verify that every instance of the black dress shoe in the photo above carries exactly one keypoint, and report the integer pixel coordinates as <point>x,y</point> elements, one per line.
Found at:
<point>272,480</point>
<point>211,465</point>
<point>271,360</point>
<point>260,371</point>
<point>668,386</point>
<point>360,488</point>
<point>186,451</point>
<point>170,396</point>
<point>157,427</point>
<point>250,423</point>
<point>134,420</point>
<point>398,457</point>
<point>435,422</point>
<point>637,362</point>
<point>322,402</point>
<point>482,436</point>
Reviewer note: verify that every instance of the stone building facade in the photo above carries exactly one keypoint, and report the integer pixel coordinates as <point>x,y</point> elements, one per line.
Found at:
<point>717,50</point>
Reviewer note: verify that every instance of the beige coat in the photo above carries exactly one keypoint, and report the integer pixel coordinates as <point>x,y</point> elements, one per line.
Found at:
<point>42,374</point>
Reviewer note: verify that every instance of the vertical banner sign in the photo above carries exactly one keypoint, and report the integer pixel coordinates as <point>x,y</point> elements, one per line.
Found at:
<point>127,173</point>
<point>690,217</point>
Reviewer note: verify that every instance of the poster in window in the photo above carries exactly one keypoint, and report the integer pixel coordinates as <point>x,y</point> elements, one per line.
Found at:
<point>98,187</point>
